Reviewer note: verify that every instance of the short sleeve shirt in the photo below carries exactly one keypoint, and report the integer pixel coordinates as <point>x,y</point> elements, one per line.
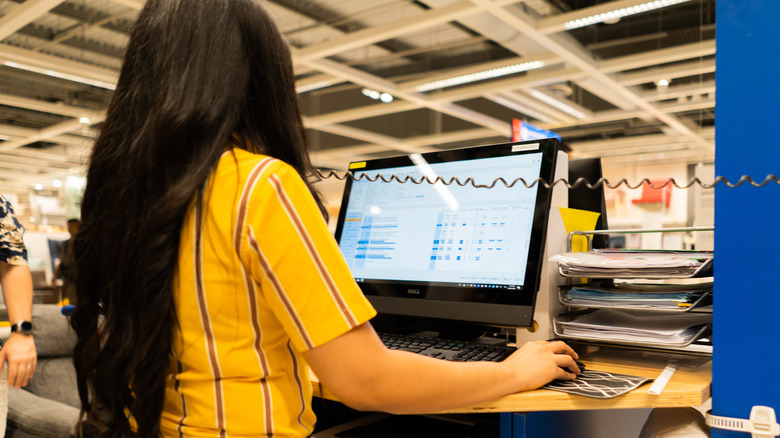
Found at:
<point>260,280</point>
<point>12,249</point>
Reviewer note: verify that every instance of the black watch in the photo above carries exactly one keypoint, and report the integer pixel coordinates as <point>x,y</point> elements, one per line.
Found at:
<point>23,327</point>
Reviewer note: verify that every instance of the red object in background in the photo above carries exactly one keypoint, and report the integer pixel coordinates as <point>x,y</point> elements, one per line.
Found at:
<point>517,125</point>
<point>658,195</point>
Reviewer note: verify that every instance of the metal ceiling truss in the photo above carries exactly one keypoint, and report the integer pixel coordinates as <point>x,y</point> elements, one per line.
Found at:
<point>618,81</point>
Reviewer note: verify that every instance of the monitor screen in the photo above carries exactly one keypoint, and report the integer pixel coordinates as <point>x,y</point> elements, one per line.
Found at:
<point>457,251</point>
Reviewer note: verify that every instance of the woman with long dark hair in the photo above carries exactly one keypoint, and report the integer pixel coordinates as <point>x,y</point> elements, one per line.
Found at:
<point>207,280</point>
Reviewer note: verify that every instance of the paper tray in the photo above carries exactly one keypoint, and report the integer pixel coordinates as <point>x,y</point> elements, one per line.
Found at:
<point>558,329</point>
<point>563,289</point>
<point>705,270</point>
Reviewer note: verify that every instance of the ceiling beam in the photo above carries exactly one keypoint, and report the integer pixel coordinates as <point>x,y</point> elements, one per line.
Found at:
<point>56,65</point>
<point>374,82</point>
<point>80,29</point>
<point>682,70</point>
<point>615,144</point>
<point>316,82</point>
<point>338,158</point>
<point>363,112</point>
<point>25,14</point>
<point>673,92</point>
<point>134,4</point>
<point>47,157</point>
<point>406,25</point>
<point>48,107</point>
<point>658,57</point>
<point>557,23</point>
<point>45,134</point>
<point>334,72</point>
<point>575,54</point>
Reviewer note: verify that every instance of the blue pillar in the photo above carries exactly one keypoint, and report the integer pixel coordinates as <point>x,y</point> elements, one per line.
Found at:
<point>746,361</point>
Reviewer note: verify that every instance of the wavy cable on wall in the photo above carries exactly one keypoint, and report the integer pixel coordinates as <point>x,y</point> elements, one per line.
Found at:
<point>580,181</point>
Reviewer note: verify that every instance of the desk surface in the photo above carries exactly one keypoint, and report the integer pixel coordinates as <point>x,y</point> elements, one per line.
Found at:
<point>688,387</point>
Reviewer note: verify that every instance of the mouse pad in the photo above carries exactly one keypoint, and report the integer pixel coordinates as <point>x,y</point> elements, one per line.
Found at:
<point>598,384</point>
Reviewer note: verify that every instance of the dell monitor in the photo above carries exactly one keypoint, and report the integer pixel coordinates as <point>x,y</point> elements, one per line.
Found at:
<point>456,251</point>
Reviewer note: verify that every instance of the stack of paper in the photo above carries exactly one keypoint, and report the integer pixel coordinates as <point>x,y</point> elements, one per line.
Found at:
<point>649,296</point>
<point>623,326</point>
<point>633,263</point>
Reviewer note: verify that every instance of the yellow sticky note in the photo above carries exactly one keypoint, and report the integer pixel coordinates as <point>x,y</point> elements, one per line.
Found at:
<point>357,165</point>
<point>578,220</point>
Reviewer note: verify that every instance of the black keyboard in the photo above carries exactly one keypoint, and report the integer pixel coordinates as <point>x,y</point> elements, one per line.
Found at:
<point>448,350</point>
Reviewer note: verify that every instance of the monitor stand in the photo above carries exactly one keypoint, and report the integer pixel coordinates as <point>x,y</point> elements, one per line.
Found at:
<point>435,328</point>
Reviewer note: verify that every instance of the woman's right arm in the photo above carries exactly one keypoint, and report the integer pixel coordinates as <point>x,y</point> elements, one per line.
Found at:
<point>365,375</point>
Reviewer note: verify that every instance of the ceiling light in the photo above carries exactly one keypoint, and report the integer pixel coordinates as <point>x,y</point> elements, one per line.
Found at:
<point>84,120</point>
<point>370,93</point>
<point>662,83</point>
<point>38,186</point>
<point>376,95</point>
<point>568,109</point>
<point>479,76</point>
<point>618,13</point>
<point>59,75</point>
<point>57,183</point>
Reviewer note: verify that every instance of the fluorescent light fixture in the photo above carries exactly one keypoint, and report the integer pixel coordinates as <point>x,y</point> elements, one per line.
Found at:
<point>376,95</point>
<point>56,74</point>
<point>618,13</point>
<point>481,75</point>
<point>568,109</point>
<point>370,93</point>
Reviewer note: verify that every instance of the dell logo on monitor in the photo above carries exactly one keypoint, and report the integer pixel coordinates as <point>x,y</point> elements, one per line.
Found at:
<point>413,291</point>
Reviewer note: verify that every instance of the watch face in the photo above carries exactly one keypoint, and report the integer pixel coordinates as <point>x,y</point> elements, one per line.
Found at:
<point>24,327</point>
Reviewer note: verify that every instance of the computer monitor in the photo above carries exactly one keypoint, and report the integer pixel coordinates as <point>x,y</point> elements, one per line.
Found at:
<point>451,251</point>
<point>584,198</point>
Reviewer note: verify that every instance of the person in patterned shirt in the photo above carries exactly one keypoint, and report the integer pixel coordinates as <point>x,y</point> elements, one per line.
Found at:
<point>19,349</point>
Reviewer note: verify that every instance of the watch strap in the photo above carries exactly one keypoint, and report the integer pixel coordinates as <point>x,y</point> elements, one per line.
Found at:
<point>22,327</point>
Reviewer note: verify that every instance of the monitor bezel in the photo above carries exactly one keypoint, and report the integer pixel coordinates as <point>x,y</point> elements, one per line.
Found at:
<point>495,307</point>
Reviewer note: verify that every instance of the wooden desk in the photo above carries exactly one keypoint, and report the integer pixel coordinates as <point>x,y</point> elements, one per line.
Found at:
<point>688,387</point>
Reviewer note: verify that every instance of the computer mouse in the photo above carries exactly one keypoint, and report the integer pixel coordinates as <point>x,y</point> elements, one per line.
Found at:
<point>579,364</point>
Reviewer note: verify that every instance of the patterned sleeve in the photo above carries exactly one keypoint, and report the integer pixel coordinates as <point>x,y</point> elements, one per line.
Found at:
<point>297,262</point>
<point>12,249</point>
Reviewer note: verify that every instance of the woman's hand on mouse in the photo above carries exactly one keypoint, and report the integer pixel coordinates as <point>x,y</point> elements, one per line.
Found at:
<point>540,362</point>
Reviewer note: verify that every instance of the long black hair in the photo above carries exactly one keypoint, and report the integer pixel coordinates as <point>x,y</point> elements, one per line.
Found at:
<point>197,76</point>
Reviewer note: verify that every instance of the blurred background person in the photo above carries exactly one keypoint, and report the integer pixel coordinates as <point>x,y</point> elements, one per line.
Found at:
<point>64,269</point>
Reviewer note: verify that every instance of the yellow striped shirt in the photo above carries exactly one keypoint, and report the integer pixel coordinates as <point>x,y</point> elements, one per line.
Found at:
<point>260,280</point>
